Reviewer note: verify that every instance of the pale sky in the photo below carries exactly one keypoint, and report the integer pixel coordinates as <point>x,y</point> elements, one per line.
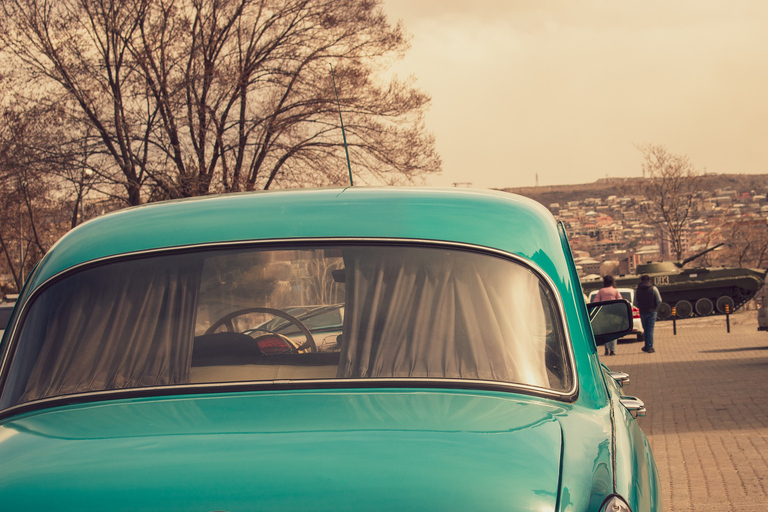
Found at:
<point>567,89</point>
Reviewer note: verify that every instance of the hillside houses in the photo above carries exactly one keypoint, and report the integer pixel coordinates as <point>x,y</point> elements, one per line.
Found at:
<point>610,235</point>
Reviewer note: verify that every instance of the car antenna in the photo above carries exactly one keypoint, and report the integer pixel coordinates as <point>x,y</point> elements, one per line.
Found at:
<point>343,133</point>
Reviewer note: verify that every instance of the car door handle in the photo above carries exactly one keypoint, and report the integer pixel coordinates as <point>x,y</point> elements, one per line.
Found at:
<point>620,377</point>
<point>634,405</point>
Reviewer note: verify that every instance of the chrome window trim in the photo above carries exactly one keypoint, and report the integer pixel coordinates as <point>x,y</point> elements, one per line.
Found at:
<point>404,384</point>
<point>567,395</point>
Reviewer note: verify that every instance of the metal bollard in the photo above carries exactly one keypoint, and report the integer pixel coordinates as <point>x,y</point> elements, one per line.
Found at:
<point>674,321</point>
<point>728,318</point>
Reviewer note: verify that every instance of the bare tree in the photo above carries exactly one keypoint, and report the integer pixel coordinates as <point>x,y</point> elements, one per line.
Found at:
<point>27,218</point>
<point>43,182</point>
<point>746,242</point>
<point>671,185</point>
<point>193,96</point>
<point>77,48</point>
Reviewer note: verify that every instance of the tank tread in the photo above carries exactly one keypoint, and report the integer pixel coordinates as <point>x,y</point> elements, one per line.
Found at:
<point>736,306</point>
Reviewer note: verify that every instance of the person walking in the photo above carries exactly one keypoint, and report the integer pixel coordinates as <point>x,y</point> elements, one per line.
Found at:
<point>608,292</point>
<point>647,299</point>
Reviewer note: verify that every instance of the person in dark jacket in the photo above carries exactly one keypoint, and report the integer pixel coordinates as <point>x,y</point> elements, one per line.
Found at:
<point>647,299</point>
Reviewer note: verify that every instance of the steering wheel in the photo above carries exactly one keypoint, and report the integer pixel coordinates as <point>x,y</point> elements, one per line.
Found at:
<point>226,321</point>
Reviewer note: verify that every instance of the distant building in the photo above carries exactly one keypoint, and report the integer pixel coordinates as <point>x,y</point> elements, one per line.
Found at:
<point>628,264</point>
<point>589,265</point>
<point>609,267</point>
<point>648,253</point>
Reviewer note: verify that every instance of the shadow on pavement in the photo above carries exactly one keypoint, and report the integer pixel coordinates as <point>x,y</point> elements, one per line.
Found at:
<point>699,396</point>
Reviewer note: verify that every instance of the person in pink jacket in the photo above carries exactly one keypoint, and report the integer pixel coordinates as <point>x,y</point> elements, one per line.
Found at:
<point>608,292</point>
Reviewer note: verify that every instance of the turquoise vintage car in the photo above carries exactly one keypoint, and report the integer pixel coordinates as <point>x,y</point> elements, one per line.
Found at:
<point>138,374</point>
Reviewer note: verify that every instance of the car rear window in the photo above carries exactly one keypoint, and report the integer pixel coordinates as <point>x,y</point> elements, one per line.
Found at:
<point>306,314</point>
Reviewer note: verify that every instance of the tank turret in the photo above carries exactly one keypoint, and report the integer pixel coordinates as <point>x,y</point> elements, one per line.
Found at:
<point>681,264</point>
<point>696,291</point>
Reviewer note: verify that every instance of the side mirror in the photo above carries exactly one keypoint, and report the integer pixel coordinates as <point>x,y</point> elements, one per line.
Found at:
<point>610,320</point>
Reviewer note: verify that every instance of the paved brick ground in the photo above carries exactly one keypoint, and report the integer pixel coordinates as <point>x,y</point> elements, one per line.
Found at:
<point>706,392</point>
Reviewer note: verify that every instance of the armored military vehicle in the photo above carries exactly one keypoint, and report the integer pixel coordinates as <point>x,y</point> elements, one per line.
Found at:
<point>698,291</point>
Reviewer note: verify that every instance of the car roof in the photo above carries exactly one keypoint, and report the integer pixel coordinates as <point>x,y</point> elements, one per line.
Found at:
<point>491,219</point>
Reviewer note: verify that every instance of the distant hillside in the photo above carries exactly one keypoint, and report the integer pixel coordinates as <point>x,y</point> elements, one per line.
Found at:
<point>624,186</point>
